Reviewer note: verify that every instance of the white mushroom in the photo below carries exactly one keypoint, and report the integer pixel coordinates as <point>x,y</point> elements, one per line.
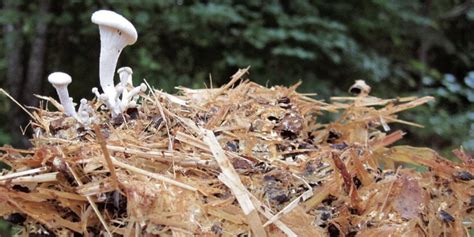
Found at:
<point>128,91</point>
<point>83,113</point>
<point>83,106</point>
<point>96,92</point>
<point>360,88</point>
<point>125,74</point>
<point>116,33</point>
<point>60,81</point>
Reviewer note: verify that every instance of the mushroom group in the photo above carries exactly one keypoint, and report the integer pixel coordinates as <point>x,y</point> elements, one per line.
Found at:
<point>128,91</point>
<point>60,81</point>
<point>116,33</point>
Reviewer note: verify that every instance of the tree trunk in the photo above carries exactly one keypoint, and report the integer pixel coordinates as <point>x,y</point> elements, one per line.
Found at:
<point>20,87</point>
<point>35,74</point>
<point>426,43</point>
<point>13,50</point>
<point>15,71</point>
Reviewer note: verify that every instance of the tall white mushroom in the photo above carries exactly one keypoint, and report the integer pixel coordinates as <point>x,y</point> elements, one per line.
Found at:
<point>116,33</point>
<point>60,81</point>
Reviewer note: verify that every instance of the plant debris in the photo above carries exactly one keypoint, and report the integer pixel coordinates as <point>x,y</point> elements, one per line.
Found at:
<point>238,160</point>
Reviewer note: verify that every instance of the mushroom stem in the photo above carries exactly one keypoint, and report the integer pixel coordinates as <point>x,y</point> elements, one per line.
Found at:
<point>110,50</point>
<point>83,113</point>
<point>135,91</point>
<point>96,92</point>
<point>116,33</point>
<point>60,81</point>
<point>66,100</point>
<point>127,100</point>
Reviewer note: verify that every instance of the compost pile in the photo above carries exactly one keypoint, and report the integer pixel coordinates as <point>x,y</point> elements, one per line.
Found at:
<point>238,160</point>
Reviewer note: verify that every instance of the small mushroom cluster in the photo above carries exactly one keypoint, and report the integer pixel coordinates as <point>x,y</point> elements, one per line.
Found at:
<point>116,33</point>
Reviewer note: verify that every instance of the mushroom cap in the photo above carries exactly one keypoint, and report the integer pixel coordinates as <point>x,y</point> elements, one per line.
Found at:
<point>143,87</point>
<point>125,69</point>
<point>116,21</point>
<point>59,78</point>
<point>360,88</point>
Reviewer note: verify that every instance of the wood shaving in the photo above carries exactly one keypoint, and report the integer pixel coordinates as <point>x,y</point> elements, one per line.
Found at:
<point>239,160</point>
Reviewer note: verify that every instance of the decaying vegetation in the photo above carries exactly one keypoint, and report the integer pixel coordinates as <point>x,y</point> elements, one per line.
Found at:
<point>236,160</point>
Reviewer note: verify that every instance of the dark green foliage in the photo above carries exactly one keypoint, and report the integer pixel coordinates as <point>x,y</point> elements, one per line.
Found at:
<point>399,47</point>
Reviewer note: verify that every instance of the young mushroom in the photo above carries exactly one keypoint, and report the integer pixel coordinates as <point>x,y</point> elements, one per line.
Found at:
<point>125,74</point>
<point>128,92</point>
<point>60,81</point>
<point>130,99</point>
<point>360,88</point>
<point>116,33</point>
<point>83,113</point>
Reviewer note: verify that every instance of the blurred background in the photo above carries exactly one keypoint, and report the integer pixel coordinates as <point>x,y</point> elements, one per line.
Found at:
<point>401,48</point>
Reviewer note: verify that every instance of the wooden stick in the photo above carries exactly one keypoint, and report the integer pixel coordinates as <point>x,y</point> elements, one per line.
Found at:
<point>183,137</point>
<point>173,98</point>
<point>320,194</point>
<point>232,180</point>
<point>23,173</point>
<point>253,220</point>
<point>388,192</point>
<point>18,103</point>
<point>61,194</point>
<point>103,146</point>
<point>15,150</point>
<point>165,156</point>
<point>387,140</point>
<point>40,178</point>
<point>165,119</point>
<point>151,175</point>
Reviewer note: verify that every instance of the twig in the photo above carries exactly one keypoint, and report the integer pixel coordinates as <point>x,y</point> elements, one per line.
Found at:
<point>151,175</point>
<point>23,173</point>
<point>389,190</point>
<point>165,119</point>
<point>103,146</point>
<point>232,180</point>
<point>40,178</point>
<point>165,156</point>
<point>234,79</point>
<point>18,103</point>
